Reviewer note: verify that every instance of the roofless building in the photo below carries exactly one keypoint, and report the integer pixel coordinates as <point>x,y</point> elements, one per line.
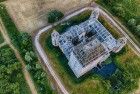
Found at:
<point>87,44</point>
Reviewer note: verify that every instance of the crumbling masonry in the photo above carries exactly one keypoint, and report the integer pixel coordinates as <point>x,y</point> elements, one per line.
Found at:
<point>87,44</point>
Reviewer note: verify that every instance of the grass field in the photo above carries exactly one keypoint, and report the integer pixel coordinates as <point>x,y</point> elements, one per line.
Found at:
<point>91,83</point>
<point>1,38</point>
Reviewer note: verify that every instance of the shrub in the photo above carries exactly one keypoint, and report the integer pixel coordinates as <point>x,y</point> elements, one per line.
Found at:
<point>118,10</point>
<point>23,42</point>
<point>138,29</point>
<point>54,16</point>
<point>132,22</point>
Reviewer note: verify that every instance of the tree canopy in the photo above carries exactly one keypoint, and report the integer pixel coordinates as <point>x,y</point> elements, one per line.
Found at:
<point>138,29</point>
<point>54,15</point>
<point>11,76</point>
<point>132,22</point>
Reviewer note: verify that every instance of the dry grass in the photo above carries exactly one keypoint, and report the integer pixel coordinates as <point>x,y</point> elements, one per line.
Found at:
<point>30,15</point>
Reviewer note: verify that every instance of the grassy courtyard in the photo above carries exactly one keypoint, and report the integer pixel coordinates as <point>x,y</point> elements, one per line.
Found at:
<point>127,62</point>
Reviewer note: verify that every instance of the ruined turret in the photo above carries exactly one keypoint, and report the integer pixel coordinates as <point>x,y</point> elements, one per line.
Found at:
<point>121,42</point>
<point>95,13</point>
<point>55,38</point>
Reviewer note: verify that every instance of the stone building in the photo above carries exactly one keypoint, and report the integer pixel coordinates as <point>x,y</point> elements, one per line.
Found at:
<point>87,44</point>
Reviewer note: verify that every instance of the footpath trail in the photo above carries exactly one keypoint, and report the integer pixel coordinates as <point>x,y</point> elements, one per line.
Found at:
<point>44,57</point>
<point>25,72</point>
<point>133,43</point>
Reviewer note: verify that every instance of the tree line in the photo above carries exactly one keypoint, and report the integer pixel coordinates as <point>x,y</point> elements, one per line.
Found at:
<point>127,10</point>
<point>11,76</point>
<point>23,42</point>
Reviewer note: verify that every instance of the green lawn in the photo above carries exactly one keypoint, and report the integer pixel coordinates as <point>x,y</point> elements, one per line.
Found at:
<point>1,38</point>
<point>91,83</point>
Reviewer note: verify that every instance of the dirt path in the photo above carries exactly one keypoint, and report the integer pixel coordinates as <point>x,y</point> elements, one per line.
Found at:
<point>45,58</point>
<point>25,72</point>
<point>31,14</point>
<point>133,43</point>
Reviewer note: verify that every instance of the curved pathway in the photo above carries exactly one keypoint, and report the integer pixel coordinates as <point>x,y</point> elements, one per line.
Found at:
<point>44,57</point>
<point>24,70</point>
<point>121,29</point>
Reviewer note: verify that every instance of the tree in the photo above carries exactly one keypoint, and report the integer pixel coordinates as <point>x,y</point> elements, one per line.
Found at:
<point>38,66</point>
<point>111,2</point>
<point>29,56</point>
<point>28,67</point>
<point>138,29</point>
<point>15,88</point>
<point>54,16</point>
<point>25,41</point>
<point>118,10</point>
<point>132,22</point>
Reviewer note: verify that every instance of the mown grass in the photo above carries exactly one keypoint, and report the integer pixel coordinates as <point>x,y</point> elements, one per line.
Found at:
<point>91,83</point>
<point>1,38</point>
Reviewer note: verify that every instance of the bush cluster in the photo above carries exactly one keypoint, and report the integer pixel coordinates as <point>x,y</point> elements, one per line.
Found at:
<point>54,16</point>
<point>23,42</point>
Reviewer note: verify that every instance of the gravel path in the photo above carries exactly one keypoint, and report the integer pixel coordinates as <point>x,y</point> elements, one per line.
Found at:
<point>25,72</point>
<point>44,56</point>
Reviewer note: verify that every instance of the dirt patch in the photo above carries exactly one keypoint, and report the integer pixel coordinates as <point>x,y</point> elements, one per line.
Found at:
<point>30,15</point>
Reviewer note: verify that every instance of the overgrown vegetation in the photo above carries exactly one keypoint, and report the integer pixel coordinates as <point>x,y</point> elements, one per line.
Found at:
<point>109,27</point>
<point>24,44</point>
<point>128,75</point>
<point>2,0</point>
<point>73,21</point>
<point>54,16</point>
<point>88,84</point>
<point>11,77</point>
<point>128,11</point>
<point>1,38</point>
<point>83,85</point>
<point>122,82</point>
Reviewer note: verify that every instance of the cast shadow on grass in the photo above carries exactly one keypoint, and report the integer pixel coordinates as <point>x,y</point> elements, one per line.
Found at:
<point>62,60</point>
